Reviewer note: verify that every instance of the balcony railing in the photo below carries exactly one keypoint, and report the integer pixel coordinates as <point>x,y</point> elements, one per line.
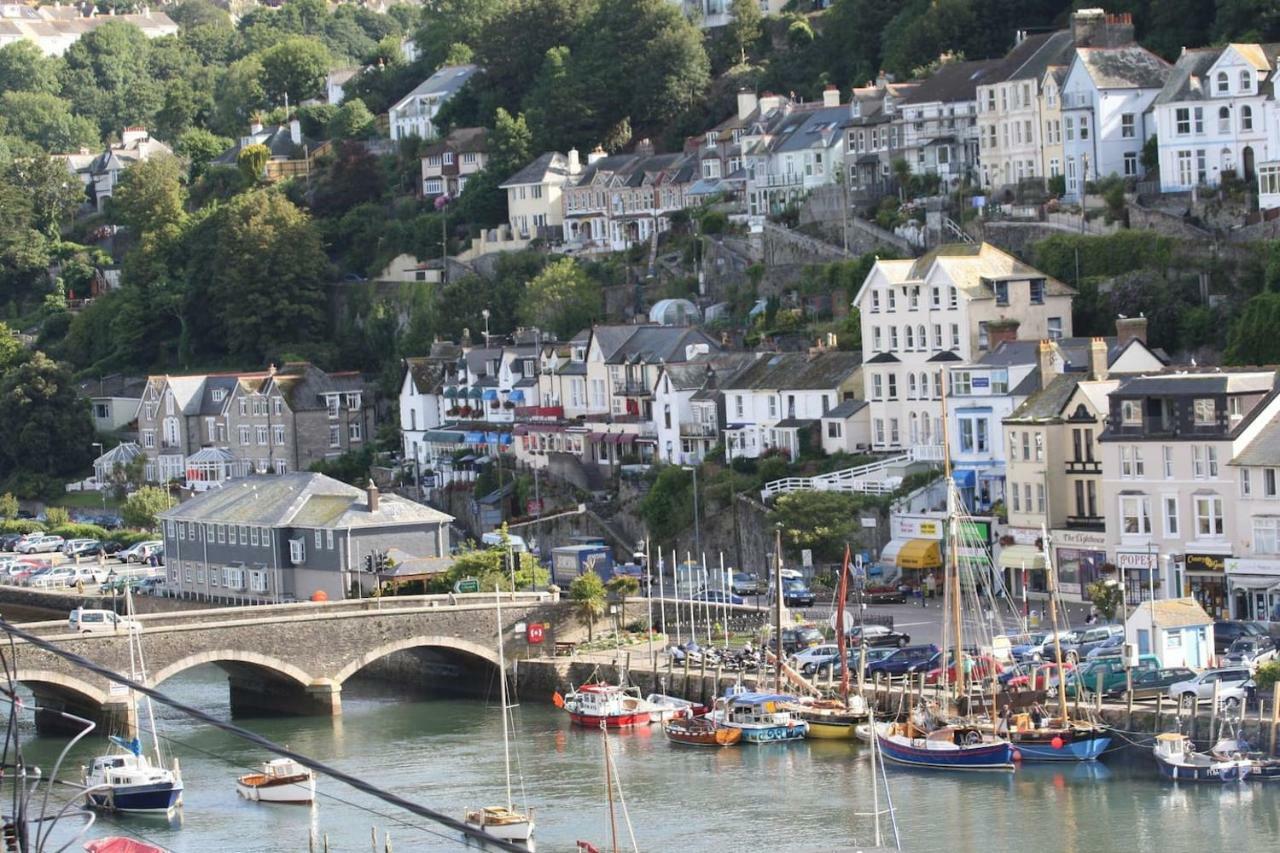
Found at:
<point>1086,522</point>
<point>1084,466</point>
<point>631,388</point>
<point>787,179</point>
<point>698,430</point>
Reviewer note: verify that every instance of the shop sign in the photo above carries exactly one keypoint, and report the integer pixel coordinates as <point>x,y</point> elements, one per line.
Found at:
<point>1089,539</point>
<point>1240,566</point>
<point>908,527</point>
<point>1023,535</point>
<point>1129,560</point>
<point>1205,563</point>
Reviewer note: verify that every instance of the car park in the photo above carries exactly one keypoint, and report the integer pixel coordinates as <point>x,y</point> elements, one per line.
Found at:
<point>808,660</point>
<point>831,669</point>
<point>877,635</point>
<point>1154,683</point>
<point>82,547</point>
<point>39,544</point>
<point>8,540</point>
<point>1250,651</point>
<point>1080,646</point>
<point>1112,646</point>
<point>1112,671</point>
<point>55,577</point>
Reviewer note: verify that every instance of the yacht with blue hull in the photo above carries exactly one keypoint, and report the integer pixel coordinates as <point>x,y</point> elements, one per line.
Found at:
<point>126,781</point>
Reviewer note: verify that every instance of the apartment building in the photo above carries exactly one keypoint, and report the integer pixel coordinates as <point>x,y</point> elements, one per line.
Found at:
<point>939,121</point>
<point>535,208</point>
<point>1167,485</point>
<point>873,138</point>
<point>922,317</point>
<point>1051,120</point>
<point>688,409</point>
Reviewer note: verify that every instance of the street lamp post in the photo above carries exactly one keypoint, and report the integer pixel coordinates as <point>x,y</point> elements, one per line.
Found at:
<point>101,491</point>
<point>697,527</point>
<point>485,315</point>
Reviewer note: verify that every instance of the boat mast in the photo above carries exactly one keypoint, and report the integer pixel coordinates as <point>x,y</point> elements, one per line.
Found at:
<point>608,788</point>
<point>777,615</point>
<point>502,695</point>
<point>1051,574</point>
<point>840,628</point>
<point>135,636</point>
<point>952,543</point>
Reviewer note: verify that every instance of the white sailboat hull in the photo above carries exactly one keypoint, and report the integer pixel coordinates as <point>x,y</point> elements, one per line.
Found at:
<point>300,793</point>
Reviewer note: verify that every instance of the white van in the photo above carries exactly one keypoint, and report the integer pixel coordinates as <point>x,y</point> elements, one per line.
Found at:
<point>84,621</point>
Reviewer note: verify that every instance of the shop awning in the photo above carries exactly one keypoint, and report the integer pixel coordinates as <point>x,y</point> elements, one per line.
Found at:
<point>450,392</point>
<point>889,556</point>
<point>920,554</point>
<point>475,438</point>
<point>490,393</point>
<point>475,393</point>
<point>1020,556</point>
<point>491,437</point>
<point>964,479</point>
<point>595,437</point>
<point>516,395</point>
<point>1253,581</point>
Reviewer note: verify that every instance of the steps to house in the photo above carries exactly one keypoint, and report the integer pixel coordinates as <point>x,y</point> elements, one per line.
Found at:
<point>870,479</point>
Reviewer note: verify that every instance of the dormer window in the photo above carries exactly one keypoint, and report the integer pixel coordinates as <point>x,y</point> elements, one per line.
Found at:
<point>218,395</point>
<point>1131,413</point>
<point>1223,84</point>
<point>711,137</point>
<point>1246,81</point>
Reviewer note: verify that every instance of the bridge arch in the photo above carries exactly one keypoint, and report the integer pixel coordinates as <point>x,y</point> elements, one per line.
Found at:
<point>272,665</point>
<point>485,653</point>
<point>35,679</point>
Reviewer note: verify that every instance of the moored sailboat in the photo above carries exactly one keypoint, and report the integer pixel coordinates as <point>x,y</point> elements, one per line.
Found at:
<point>701,731</point>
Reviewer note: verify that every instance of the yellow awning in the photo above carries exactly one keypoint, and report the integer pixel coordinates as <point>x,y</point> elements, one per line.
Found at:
<point>920,554</point>
<point>1019,556</point>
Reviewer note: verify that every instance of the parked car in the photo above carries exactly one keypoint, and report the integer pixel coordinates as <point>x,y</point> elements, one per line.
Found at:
<point>796,594</point>
<point>111,547</point>
<point>1153,683</point>
<point>1112,671</point>
<point>86,621</point>
<point>884,595</point>
<point>1087,640</point>
<point>1112,646</point>
<point>716,596</point>
<point>877,635</point>
<point>1039,646</point>
<point>1226,633</point>
<point>39,544</point>
<point>745,583</point>
<point>8,540</point>
<point>1249,651</point>
<point>795,640</point>
<point>153,585</point>
<point>140,552</point>
<point>831,668</point>
<point>1234,686</point>
<point>982,667</point>
<point>82,547</point>
<point>56,577</point>
<point>903,660</point>
<point>807,660</point>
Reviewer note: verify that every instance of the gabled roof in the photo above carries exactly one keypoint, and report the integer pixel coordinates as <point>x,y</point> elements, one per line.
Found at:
<point>1181,382</point>
<point>951,83</point>
<point>797,371</point>
<point>1130,67</point>
<point>1028,59</point>
<point>463,140</point>
<point>648,344</point>
<point>707,370</point>
<point>967,265</point>
<point>1173,613</point>
<point>444,83</point>
<point>1186,79</point>
<point>551,167</point>
<point>1048,402</point>
<point>1264,449</point>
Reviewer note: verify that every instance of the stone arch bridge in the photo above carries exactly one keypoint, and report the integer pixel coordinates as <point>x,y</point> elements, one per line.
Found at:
<point>280,659</point>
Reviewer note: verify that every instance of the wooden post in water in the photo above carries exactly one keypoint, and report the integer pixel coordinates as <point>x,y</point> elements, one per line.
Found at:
<point>685,685</point>
<point>670,685</point>
<point>326,842</point>
<point>1128,697</point>
<point>1159,713</point>
<point>702,680</point>
<point>1213,710</point>
<point>1097,693</point>
<point>715,688</point>
<point>1275,713</point>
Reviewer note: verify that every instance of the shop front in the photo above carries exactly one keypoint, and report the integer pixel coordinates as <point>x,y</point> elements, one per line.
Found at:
<point>1139,570</point>
<point>1253,587</point>
<point>1207,582</point>
<point>915,549</point>
<point>1021,561</point>
<point>1078,557</point>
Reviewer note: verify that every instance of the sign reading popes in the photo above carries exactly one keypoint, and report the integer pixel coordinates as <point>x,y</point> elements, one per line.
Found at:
<point>1126,560</point>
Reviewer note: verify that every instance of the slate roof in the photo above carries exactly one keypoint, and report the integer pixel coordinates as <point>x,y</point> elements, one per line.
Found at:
<point>428,373</point>
<point>954,81</point>
<point>304,385</point>
<point>278,141</point>
<point>1074,350</point>
<point>1131,67</point>
<point>1048,402</point>
<point>445,82</point>
<point>464,140</point>
<point>300,499</point>
<point>1265,447</point>
<point>640,169</point>
<point>846,409</point>
<point>1029,58</point>
<point>113,386</point>
<point>648,344</point>
<point>795,423</point>
<point>815,130</point>
<point>693,375</point>
<point>797,371</point>
<point>1186,79</point>
<point>1183,383</point>
<point>547,168</point>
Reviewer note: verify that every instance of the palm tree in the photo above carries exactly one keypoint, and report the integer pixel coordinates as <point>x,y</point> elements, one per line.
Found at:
<point>587,593</point>
<point>623,586</point>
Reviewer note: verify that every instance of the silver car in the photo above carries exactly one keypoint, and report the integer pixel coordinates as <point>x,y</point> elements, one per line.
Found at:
<point>1233,684</point>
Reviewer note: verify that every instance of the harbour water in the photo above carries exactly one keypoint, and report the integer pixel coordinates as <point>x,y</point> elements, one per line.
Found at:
<point>807,796</point>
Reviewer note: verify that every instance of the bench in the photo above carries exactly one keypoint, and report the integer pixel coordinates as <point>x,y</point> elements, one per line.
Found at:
<point>565,649</point>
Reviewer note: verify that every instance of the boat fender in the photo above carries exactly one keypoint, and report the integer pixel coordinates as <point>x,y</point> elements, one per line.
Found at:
<point>1017,755</point>
<point>1057,742</point>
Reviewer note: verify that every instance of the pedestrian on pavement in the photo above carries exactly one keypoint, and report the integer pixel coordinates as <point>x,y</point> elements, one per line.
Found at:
<point>930,585</point>
<point>79,586</point>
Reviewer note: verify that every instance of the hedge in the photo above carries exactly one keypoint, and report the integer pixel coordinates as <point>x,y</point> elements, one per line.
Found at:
<point>21,525</point>
<point>76,530</point>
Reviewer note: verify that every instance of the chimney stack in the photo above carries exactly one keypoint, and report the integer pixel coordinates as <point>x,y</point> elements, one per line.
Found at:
<point>596,154</point>
<point>831,96</point>
<point>1129,328</point>
<point>644,148</point>
<point>575,164</point>
<point>295,131</point>
<point>371,495</point>
<point>1098,358</point>
<point>1045,361</point>
<point>746,103</point>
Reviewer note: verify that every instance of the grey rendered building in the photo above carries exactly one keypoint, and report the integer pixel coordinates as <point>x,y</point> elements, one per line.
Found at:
<point>268,538</point>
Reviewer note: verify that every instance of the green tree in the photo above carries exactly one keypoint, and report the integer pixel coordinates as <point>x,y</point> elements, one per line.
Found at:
<point>54,193</point>
<point>511,46</point>
<point>199,147</point>
<point>151,196</point>
<point>623,586</point>
<point>107,77</point>
<point>141,508</point>
<point>352,121</point>
<point>1246,20</point>
<point>257,237</point>
<point>745,26</point>
<point>252,162</point>
<point>8,506</point>
<point>44,420</point>
<point>1106,598</point>
<point>295,67</point>
<point>1253,338</point>
<point>1150,158</point>
<point>23,68</point>
<point>445,23</point>
<point>667,508</point>
<point>510,143</point>
<point>588,597</point>
<point>557,120</point>
<point>56,516</point>
<point>46,120</point>
<point>561,299</point>
<point>822,521</point>
<point>240,95</point>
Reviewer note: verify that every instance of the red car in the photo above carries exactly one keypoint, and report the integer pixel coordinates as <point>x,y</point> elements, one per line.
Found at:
<point>984,667</point>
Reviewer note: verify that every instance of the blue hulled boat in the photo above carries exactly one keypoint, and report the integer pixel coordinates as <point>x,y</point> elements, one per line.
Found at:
<point>1179,761</point>
<point>1073,742</point>
<point>126,781</point>
<point>760,717</point>
<point>948,748</point>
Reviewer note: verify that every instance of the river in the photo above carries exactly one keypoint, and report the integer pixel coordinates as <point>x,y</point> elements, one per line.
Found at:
<point>447,753</point>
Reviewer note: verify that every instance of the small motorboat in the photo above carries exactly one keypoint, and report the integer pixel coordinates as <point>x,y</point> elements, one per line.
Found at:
<point>952,747</point>
<point>831,718</point>
<point>672,708</point>
<point>1179,761</point>
<point>762,717</point>
<point>1262,767</point>
<point>699,731</point>
<point>503,823</point>
<point>281,780</point>
<point>616,706</point>
<point>127,781</point>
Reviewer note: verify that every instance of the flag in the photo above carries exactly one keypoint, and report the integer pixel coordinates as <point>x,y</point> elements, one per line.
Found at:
<point>557,699</point>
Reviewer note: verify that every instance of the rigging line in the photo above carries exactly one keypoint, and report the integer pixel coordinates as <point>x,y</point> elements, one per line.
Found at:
<point>254,738</point>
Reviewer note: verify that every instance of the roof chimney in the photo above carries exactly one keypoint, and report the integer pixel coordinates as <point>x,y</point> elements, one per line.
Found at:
<point>831,96</point>
<point>746,103</point>
<point>271,370</point>
<point>1098,358</point>
<point>1128,328</point>
<point>597,153</point>
<point>644,147</point>
<point>295,131</point>
<point>255,125</point>
<point>371,496</point>
<point>575,164</point>
<point>1045,361</point>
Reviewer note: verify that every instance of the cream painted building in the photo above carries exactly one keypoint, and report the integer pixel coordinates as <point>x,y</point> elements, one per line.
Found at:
<point>920,317</point>
<point>535,207</point>
<point>1253,570</point>
<point>1051,120</point>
